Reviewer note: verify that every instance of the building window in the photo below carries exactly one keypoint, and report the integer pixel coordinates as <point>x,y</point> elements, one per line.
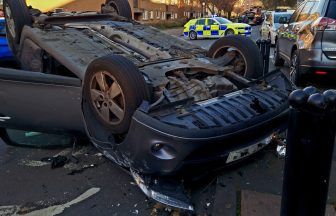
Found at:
<point>151,15</point>
<point>145,15</point>
<point>158,14</point>
<point>163,15</point>
<point>175,15</point>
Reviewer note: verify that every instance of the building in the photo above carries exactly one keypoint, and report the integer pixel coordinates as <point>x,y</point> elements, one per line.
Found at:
<point>143,10</point>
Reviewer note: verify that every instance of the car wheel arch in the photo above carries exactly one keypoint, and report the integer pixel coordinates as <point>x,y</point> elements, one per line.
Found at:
<point>229,29</point>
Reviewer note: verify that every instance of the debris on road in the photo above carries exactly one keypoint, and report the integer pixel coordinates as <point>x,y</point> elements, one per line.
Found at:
<point>56,162</point>
<point>85,167</point>
<point>281,149</point>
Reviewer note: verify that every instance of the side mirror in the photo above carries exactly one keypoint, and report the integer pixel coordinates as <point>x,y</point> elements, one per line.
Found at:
<point>283,20</point>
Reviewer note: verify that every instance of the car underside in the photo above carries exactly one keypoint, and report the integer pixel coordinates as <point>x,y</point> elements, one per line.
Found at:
<point>149,101</point>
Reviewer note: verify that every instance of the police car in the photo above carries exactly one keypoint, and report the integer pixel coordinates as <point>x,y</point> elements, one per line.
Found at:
<point>5,53</point>
<point>214,27</point>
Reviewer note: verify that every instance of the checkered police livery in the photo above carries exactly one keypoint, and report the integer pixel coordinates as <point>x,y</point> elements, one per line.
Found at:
<point>214,28</point>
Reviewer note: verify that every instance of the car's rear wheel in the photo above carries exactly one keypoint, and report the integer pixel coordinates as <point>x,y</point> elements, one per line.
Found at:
<point>247,61</point>
<point>294,71</point>
<point>229,32</point>
<point>193,35</point>
<point>118,7</point>
<point>114,88</point>
<point>17,16</point>
<point>278,61</point>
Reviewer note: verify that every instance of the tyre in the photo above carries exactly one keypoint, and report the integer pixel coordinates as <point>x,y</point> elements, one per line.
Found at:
<point>229,32</point>
<point>113,89</point>
<point>248,61</point>
<point>193,35</point>
<point>17,16</point>
<point>278,61</point>
<point>294,71</point>
<point>118,7</point>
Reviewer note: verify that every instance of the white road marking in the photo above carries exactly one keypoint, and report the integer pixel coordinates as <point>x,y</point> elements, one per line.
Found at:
<point>49,211</point>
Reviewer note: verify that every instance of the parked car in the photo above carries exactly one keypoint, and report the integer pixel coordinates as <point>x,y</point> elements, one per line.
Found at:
<point>307,41</point>
<point>270,26</point>
<point>150,102</point>
<point>5,52</point>
<point>214,28</point>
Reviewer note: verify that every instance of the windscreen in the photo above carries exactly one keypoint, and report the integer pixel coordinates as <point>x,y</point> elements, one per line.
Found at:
<point>331,13</point>
<point>277,17</point>
<point>222,20</point>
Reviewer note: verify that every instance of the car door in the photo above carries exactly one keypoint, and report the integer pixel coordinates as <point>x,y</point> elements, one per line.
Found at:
<point>297,25</point>
<point>265,28</point>
<point>207,29</point>
<point>285,32</point>
<point>199,27</point>
<point>214,27</point>
<point>40,102</point>
<point>329,33</point>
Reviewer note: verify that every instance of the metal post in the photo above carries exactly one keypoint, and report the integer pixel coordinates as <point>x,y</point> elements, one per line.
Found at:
<point>265,47</point>
<point>310,143</point>
<point>267,56</point>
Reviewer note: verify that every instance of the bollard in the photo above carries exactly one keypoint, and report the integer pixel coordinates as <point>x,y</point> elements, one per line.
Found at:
<point>310,143</point>
<point>265,47</point>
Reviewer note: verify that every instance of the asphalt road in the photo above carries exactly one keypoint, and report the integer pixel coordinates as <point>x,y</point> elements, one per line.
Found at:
<point>92,185</point>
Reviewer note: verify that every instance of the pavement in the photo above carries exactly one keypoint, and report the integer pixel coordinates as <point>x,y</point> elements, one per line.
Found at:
<point>89,184</point>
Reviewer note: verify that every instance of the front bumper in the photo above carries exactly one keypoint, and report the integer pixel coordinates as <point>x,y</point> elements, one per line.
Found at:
<point>167,142</point>
<point>246,31</point>
<point>154,151</point>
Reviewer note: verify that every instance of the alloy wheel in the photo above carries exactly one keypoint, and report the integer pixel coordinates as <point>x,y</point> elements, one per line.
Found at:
<point>193,35</point>
<point>112,8</point>
<point>107,98</point>
<point>293,68</point>
<point>10,21</point>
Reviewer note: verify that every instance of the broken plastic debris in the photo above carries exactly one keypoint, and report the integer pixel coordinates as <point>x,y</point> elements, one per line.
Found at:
<point>99,154</point>
<point>31,134</point>
<point>281,151</point>
<point>159,192</point>
<point>56,162</point>
<point>85,167</point>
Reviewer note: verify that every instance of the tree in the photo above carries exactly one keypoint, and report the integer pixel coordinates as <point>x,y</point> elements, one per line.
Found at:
<point>224,5</point>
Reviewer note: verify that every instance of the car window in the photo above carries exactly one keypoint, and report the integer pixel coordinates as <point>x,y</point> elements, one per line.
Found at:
<point>269,18</point>
<point>35,139</point>
<point>211,22</point>
<point>200,22</point>
<point>222,20</point>
<point>305,11</point>
<point>296,13</point>
<point>331,13</point>
<point>2,28</point>
<point>277,17</point>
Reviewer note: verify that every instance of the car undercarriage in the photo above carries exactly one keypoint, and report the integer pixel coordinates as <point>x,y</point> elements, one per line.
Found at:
<point>149,101</point>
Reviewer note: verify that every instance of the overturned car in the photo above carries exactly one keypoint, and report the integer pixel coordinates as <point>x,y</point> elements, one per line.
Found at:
<point>149,101</point>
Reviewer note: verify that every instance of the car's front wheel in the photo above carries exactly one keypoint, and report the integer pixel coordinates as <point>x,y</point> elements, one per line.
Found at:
<point>17,16</point>
<point>294,71</point>
<point>278,61</point>
<point>247,59</point>
<point>114,88</point>
<point>118,7</point>
<point>192,35</point>
<point>229,32</point>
